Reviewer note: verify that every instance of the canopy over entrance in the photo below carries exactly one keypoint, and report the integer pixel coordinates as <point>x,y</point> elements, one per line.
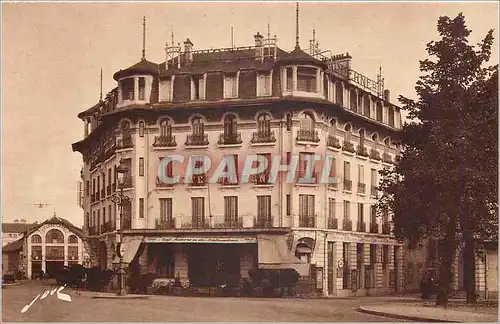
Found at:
<point>131,245</point>
<point>273,253</point>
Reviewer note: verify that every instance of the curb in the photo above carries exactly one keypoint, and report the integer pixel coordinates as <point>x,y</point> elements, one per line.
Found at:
<point>405,317</point>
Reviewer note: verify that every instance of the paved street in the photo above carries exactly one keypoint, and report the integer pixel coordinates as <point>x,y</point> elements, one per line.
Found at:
<point>165,308</point>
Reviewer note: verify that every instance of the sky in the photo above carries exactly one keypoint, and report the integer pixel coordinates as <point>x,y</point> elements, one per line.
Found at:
<point>52,54</point>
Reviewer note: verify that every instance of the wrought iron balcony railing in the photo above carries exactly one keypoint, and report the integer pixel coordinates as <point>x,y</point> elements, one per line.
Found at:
<point>198,223</point>
<point>229,139</point>
<point>196,139</point>
<point>313,179</point>
<point>263,222</point>
<point>306,135</point>
<point>375,155</point>
<point>348,147</point>
<point>229,223</point>
<point>362,151</point>
<point>260,179</point>
<point>125,142</point>
<point>373,191</point>
<point>361,188</point>
<point>161,184</point>
<point>333,223</point>
<point>347,225</point>
<point>334,142</point>
<point>307,221</point>
<point>167,223</point>
<point>386,229</point>
<point>263,137</point>
<point>165,141</point>
<point>373,228</point>
<point>347,184</point>
<point>386,158</point>
<point>361,227</point>
<point>198,180</point>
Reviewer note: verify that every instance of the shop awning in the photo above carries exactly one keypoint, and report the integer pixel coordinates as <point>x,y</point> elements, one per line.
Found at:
<point>200,239</point>
<point>131,245</point>
<point>273,253</point>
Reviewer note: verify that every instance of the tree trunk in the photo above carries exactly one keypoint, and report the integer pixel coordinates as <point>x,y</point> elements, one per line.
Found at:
<point>447,256</point>
<point>469,269</point>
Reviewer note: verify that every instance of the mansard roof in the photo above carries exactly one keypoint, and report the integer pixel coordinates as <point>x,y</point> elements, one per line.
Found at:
<point>142,67</point>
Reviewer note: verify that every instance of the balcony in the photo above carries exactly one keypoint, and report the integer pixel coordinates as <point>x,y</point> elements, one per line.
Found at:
<point>305,135</point>
<point>197,140</point>
<point>165,141</point>
<point>263,222</point>
<point>334,142</point>
<point>230,139</point>
<point>198,180</point>
<point>361,227</point>
<point>167,223</point>
<point>263,137</point>
<point>386,229</point>
<point>227,182</point>
<point>362,151</point>
<point>347,184</point>
<point>307,221</point>
<point>333,223</point>
<point>374,228</point>
<point>361,188</point>
<point>373,191</point>
<point>261,178</point>
<point>333,185</point>
<point>125,143</point>
<point>229,223</point>
<point>375,155</point>
<point>314,179</point>
<point>198,223</point>
<point>386,158</point>
<point>348,147</point>
<point>347,225</point>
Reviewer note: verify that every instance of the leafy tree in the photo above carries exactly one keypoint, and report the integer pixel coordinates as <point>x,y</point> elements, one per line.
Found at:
<point>443,184</point>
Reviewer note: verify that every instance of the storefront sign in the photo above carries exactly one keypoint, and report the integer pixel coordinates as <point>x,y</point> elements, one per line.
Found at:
<point>230,240</point>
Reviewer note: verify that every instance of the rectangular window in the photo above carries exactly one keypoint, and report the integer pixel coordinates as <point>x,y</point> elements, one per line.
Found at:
<point>361,173</point>
<point>331,208</point>
<point>263,208</point>
<point>198,211</point>
<point>110,214</point>
<point>231,209</point>
<point>141,167</point>
<point>306,211</point>
<point>197,87</point>
<point>385,256</point>
<point>347,170</point>
<point>373,215</point>
<point>289,79</point>
<point>373,253</point>
<point>346,273</point>
<point>98,184</point>
<point>264,84</point>
<point>98,217</point>
<point>165,210</point>
<point>288,204</point>
<point>391,116</point>
<point>347,210</point>
<point>141,207</point>
<point>373,177</point>
<point>166,90</point>
<point>110,179</point>
<point>231,86</point>
<point>306,79</point>
<point>87,188</point>
<point>142,89</point>
<point>361,217</point>
<point>127,89</point>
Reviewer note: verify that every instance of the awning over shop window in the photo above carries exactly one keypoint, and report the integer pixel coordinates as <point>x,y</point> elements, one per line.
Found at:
<point>131,245</point>
<point>211,239</point>
<point>273,253</point>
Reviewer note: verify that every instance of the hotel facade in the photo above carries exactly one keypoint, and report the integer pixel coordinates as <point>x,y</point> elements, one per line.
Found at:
<point>242,101</point>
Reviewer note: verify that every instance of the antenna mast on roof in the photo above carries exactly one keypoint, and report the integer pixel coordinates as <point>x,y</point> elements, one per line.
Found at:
<point>232,37</point>
<point>144,38</point>
<point>100,93</point>
<point>297,46</point>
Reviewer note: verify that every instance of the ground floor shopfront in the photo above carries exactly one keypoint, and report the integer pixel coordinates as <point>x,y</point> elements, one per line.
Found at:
<point>339,264</point>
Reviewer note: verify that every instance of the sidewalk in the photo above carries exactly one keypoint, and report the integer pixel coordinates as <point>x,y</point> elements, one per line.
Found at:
<point>428,314</point>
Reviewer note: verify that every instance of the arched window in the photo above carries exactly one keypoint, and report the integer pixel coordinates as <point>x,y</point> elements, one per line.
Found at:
<point>166,128</point>
<point>307,131</point>
<point>354,100</point>
<point>126,134</point>
<point>73,239</point>
<point>375,141</point>
<point>391,116</point>
<point>230,126</point>
<point>198,127</point>
<point>339,94</point>
<point>360,103</point>
<point>366,105</point>
<point>348,130</point>
<point>333,127</point>
<point>362,138</point>
<point>54,236</point>
<point>36,239</point>
<point>198,136</point>
<point>141,129</point>
<point>264,124</point>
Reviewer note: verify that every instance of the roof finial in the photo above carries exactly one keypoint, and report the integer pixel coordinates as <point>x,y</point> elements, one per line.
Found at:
<point>100,93</point>
<point>144,38</point>
<point>173,44</point>
<point>297,46</point>
<point>314,33</point>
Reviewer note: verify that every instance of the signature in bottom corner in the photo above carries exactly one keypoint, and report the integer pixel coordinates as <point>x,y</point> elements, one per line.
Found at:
<point>59,295</point>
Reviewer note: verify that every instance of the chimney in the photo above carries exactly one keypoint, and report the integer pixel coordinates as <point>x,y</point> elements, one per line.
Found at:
<point>387,95</point>
<point>23,221</point>
<point>16,221</point>
<point>188,51</point>
<point>259,49</point>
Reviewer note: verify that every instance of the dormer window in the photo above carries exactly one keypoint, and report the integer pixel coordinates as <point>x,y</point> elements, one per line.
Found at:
<point>127,87</point>
<point>231,85</point>
<point>166,89</point>
<point>391,116</point>
<point>197,87</point>
<point>264,84</point>
<point>142,89</point>
<point>289,79</point>
<point>306,79</point>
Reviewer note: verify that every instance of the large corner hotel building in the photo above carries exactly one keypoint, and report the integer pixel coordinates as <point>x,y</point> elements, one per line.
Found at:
<point>241,101</point>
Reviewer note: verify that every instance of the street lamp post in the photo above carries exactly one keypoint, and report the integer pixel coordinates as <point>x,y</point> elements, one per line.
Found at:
<point>120,200</point>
